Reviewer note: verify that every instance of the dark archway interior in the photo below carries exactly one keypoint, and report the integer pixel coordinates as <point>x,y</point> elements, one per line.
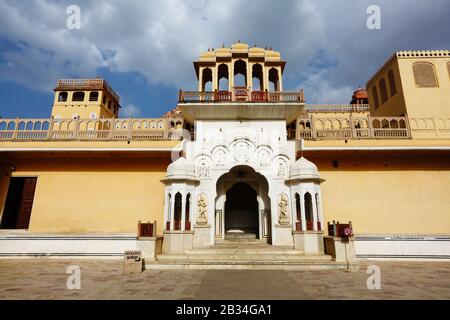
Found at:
<point>241,209</point>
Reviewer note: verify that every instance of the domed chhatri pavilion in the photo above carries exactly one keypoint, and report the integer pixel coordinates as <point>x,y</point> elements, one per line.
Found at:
<point>241,173</point>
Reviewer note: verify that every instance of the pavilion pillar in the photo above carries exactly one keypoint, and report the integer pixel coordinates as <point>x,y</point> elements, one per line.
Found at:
<point>302,211</point>
<point>249,79</point>
<point>183,211</point>
<point>172,212</point>
<point>200,79</point>
<point>314,207</point>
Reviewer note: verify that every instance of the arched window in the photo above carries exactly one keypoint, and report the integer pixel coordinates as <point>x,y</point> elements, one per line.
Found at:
<point>298,207</point>
<point>240,74</point>
<point>392,83</point>
<point>177,211</point>
<point>383,91</point>
<point>78,96</point>
<point>319,227</point>
<point>207,80</point>
<point>274,80</point>
<point>308,211</point>
<point>188,207</point>
<point>222,76</point>
<point>93,96</point>
<point>425,75</point>
<point>169,207</point>
<point>62,97</point>
<point>257,78</point>
<point>375,97</point>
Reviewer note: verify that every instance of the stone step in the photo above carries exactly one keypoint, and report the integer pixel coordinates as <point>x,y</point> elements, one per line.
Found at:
<point>243,251</point>
<point>243,257</point>
<point>250,265</point>
<point>238,235</point>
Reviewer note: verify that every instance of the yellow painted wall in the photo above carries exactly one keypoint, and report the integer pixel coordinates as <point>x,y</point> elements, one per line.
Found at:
<point>426,102</point>
<point>411,100</point>
<point>67,109</point>
<point>95,195</point>
<point>387,194</point>
<point>395,105</point>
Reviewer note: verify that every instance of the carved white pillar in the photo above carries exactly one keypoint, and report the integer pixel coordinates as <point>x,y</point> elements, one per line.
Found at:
<point>280,80</point>
<point>183,211</point>
<point>302,211</point>
<point>200,79</point>
<point>294,211</point>
<point>319,209</point>
<point>249,81</point>
<point>314,207</point>
<point>231,76</point>
<point>172,212</point>
<point>166,209</point>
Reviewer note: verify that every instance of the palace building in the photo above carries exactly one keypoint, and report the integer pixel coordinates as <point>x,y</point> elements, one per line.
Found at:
<point>241,173</point>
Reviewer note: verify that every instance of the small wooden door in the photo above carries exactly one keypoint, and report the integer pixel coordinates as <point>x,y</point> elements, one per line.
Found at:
<point>26,203</point>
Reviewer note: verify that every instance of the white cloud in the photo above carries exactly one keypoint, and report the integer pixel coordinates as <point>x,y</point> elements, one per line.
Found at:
<point>130,111</point>
<point>160,39</point>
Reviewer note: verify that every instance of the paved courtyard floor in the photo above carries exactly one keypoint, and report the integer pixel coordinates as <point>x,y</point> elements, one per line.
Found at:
<point>103,279</point>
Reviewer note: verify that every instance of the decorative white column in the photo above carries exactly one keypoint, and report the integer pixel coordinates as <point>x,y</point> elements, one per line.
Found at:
<point>249,70</point>
<point>280,81</point>
<point>319,209</point>
<point>183,211</point>
<point>231,76</point>
<point>294,211</point>
<point>302,211</point>
<point>314,207</point>
<point>172,212</point>
<point>200,79</point>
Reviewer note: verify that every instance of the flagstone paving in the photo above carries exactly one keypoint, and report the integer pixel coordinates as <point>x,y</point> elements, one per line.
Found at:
<point>103,279</point>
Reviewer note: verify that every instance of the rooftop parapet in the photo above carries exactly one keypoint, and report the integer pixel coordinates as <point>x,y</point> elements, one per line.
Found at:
<point>85,84</point>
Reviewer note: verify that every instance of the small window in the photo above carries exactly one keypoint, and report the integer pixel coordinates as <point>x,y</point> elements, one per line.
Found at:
<point>383,91</point>
<point>62,97</point>
<point>111,106</point>
<point>425,75</point>
<point>104,99</point>
<point>375,97</point>
<point>93,115</point>
<point>392,83</point>
<point>93,96</point>
<point>78,96</point>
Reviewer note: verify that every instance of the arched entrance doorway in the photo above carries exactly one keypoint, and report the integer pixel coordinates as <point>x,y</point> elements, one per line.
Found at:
<point>241,209</point>
<point>242,204</point>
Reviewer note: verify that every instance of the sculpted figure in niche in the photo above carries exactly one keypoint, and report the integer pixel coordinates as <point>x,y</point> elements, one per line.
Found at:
<point>202,209</point>
<point>283,206</point>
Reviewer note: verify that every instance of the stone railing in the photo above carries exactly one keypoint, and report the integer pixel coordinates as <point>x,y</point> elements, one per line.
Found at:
<point>430,128</point>
<point>352,127</point>
<point>241,94</point>
<point>337,108</point>
<point>86,129</point>
<point>367,127</point>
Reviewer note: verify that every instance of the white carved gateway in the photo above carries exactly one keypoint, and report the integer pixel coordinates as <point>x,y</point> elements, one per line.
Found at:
<point>255,153</point>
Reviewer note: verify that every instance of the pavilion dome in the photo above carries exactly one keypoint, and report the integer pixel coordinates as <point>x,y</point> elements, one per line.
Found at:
<point>181,169</point>
<point>304,169</point>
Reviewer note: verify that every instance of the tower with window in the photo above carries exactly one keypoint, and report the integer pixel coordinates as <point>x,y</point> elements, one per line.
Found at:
<point>85,99</point>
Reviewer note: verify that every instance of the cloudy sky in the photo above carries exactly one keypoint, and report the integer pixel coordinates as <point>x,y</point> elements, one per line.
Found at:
<point>145,48</point>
